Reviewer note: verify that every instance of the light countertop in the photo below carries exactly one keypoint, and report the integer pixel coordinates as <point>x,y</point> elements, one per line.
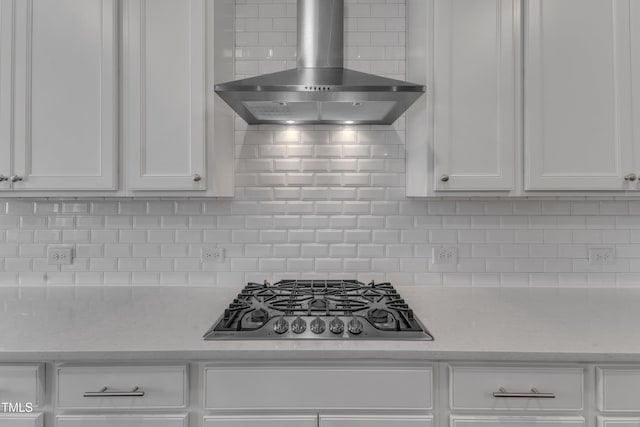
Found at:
<point>167,323</point>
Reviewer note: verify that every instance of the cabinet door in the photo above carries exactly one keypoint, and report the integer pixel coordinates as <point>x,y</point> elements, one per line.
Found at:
<point>262,421</point>
<point>578,130</point>
<point>121,421</point>
<point>475,103</point>
<point>6,82</point>
<point>164,86</point>
<point>618,422</point>
<point>375,421</point>
<point>480,421</point>
<point>65,95</point>
<point>162,387</point>
<point>22,383</point>
<point>26,420</point>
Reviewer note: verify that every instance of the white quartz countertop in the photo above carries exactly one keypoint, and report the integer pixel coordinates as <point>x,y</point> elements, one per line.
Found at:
<point>167,323</point>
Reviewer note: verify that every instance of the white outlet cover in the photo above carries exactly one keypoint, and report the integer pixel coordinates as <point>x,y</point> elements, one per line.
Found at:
<point>445,255</point>
<point>59,255</point>
<point>212,255</point>
<point>602,256</point>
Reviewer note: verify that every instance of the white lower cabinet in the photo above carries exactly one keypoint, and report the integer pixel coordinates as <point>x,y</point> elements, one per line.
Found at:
<point>122,387</point>
<point>480,421</point>
<point>262,421</point>
<point>365,393</point>
<point>375,421</point>
<point>618,422</point>
<point>618,389</point>
<point>346,387</point>
<point>100,395</point>
<point>21,384</point>
<point>122,421</point>
<point>31,420</point>
<point>516,388</point>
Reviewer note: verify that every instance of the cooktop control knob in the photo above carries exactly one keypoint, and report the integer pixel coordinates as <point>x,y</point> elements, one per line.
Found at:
<point>281,325</point>
<point>317,326</point>
<point>336,325</point>
<point>298,326</point>
<point>355,326</point>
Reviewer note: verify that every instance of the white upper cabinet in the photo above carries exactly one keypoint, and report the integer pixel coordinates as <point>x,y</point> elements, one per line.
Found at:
<point>6,81</point>
<point>474,92</point>
<point>462,136</point>
<point>165,94</point>
<point>578,124</point>
<point>64,130</point>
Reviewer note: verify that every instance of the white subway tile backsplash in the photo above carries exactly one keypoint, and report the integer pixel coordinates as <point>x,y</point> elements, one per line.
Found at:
<point>321,201</point>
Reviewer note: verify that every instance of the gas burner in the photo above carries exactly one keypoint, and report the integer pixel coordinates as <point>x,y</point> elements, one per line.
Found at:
<point>318,309</point>
<point>259,316</point>
<point>379,315</point>
<point>318,304</point>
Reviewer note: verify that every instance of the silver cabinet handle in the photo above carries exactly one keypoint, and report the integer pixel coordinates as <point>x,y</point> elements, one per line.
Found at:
<point>535,394</point>
<point>197,178</point>
<point>444,178</point>
<point>104,392</point>
<point>631,177</point>
<point>3,178</point>
<point>15,178</point>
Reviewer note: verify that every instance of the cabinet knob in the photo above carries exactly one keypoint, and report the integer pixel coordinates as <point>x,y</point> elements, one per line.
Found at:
<point>631,177</point>
<point>15,178</point>
<point>197,178</point>
<point>3,178</point>
<point>444,178</point>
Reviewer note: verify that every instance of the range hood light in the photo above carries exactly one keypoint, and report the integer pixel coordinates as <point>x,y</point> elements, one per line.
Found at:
<point>320,90</point>
<point>349,122</point>
<point>291,122</point>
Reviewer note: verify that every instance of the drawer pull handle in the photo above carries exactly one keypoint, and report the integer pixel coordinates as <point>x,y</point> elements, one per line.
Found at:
<point>104,392</point>
<point>535,394</point>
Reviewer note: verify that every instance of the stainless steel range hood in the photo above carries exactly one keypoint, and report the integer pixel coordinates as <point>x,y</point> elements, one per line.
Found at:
<point>320,90</point>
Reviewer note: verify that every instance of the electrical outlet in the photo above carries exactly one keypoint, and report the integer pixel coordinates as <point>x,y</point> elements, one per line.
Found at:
<point>602,256</point>
<point>59,255</point>
<point>212,255</point>
<point>444,255</point>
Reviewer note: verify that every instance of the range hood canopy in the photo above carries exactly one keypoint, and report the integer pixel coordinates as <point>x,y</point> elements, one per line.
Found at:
<point>320,90</point>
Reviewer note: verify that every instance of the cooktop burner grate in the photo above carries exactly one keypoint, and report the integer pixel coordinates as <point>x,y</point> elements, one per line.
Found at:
<point>318,309</point>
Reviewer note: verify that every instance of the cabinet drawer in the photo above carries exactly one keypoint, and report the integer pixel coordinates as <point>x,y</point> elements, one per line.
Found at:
<point>262,421</point>
<point>618,422</point>
<point>472,421</point>
<point>22,384</point>
<point>618,389</point>
<point>375,421</point>
<point>473,388</point>
<point>122,421</point>
<point>159,387</point>
<point>317,388</point>
<point>28,420</point>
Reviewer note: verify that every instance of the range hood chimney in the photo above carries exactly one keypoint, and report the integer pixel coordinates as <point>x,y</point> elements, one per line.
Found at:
<point>320,90</point>
<point>320,33</point>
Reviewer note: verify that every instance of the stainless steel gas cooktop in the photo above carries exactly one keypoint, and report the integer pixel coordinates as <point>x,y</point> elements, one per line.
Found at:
<point>318,309</point>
